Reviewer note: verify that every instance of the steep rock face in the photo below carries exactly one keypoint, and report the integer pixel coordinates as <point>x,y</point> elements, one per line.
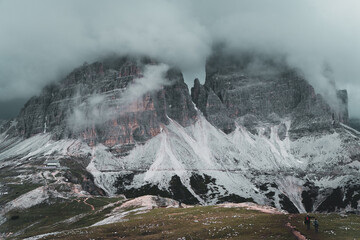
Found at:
<point>237,86</point>
<point>342,96</point>
<point>90,103</point>
<point>265,136</point>
<point>211,106</point>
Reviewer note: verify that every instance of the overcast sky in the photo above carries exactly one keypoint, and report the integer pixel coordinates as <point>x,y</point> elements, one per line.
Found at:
<point>41,40</point>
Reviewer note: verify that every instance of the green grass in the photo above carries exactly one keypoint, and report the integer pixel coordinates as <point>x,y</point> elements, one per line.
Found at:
<point>216,223</point>
<point>200,222</point>
<point>45,217</point>
<point>192,223</point>
<point>331,226</point>
<point>16,190</point>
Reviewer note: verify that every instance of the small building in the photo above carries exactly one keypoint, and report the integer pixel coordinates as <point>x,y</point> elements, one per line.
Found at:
<point>52,163</point>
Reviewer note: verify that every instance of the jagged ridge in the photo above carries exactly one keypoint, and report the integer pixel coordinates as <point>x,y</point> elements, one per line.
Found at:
<point>266,138</point>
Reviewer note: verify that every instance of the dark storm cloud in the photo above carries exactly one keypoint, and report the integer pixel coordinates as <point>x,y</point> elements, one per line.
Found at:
<point>41,40</point>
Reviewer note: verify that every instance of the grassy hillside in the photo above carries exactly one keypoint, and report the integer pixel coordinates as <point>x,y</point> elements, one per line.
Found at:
<point>213,222</point>
<point>331,226</point>
<point>58,215</point>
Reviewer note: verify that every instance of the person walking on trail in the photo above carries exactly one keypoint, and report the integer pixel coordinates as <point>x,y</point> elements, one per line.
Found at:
<point>307,221</point>
<point>316,225</point>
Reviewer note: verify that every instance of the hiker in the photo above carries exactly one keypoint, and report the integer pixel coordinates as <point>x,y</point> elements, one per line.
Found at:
<point>316,225</point>
<point>307,221</point>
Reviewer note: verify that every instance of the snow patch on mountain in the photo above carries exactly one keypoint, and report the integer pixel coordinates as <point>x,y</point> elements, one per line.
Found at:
<point>234,160</point>
<point>239,163</point>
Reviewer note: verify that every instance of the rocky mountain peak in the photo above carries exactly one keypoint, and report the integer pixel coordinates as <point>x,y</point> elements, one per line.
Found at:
<point>237,86</point>
<point>129,126</point>
<point>92,103</point>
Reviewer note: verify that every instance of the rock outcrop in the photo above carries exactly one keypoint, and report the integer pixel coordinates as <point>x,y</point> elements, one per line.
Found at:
<point>89,104</point>
<point>250,84</point>
<point>265,136</point>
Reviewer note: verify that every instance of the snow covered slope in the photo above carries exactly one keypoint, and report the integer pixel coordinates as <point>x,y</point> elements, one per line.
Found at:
<point>242,136</point>
<point>200,163</point>
<point>239,164</point>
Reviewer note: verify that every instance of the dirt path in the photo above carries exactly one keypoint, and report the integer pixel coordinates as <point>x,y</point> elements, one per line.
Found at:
<point>295,232</point>
<point>92,206</point>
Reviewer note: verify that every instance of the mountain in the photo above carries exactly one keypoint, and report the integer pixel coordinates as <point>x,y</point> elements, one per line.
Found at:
<point>254,131</point>
<point>235,90</point>
<point>88,104</point>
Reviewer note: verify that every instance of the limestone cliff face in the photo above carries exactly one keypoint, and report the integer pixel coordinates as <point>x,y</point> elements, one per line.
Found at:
<point>289,150</point>
<point>247,89</point>
<point>89,104</point>
<point>259,88</point>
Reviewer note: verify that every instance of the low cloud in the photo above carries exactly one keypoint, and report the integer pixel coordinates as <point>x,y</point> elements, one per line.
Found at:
<point>88,113</point>
<point>154,79</point>
<point>42,40</point>
<point>99,108</point>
